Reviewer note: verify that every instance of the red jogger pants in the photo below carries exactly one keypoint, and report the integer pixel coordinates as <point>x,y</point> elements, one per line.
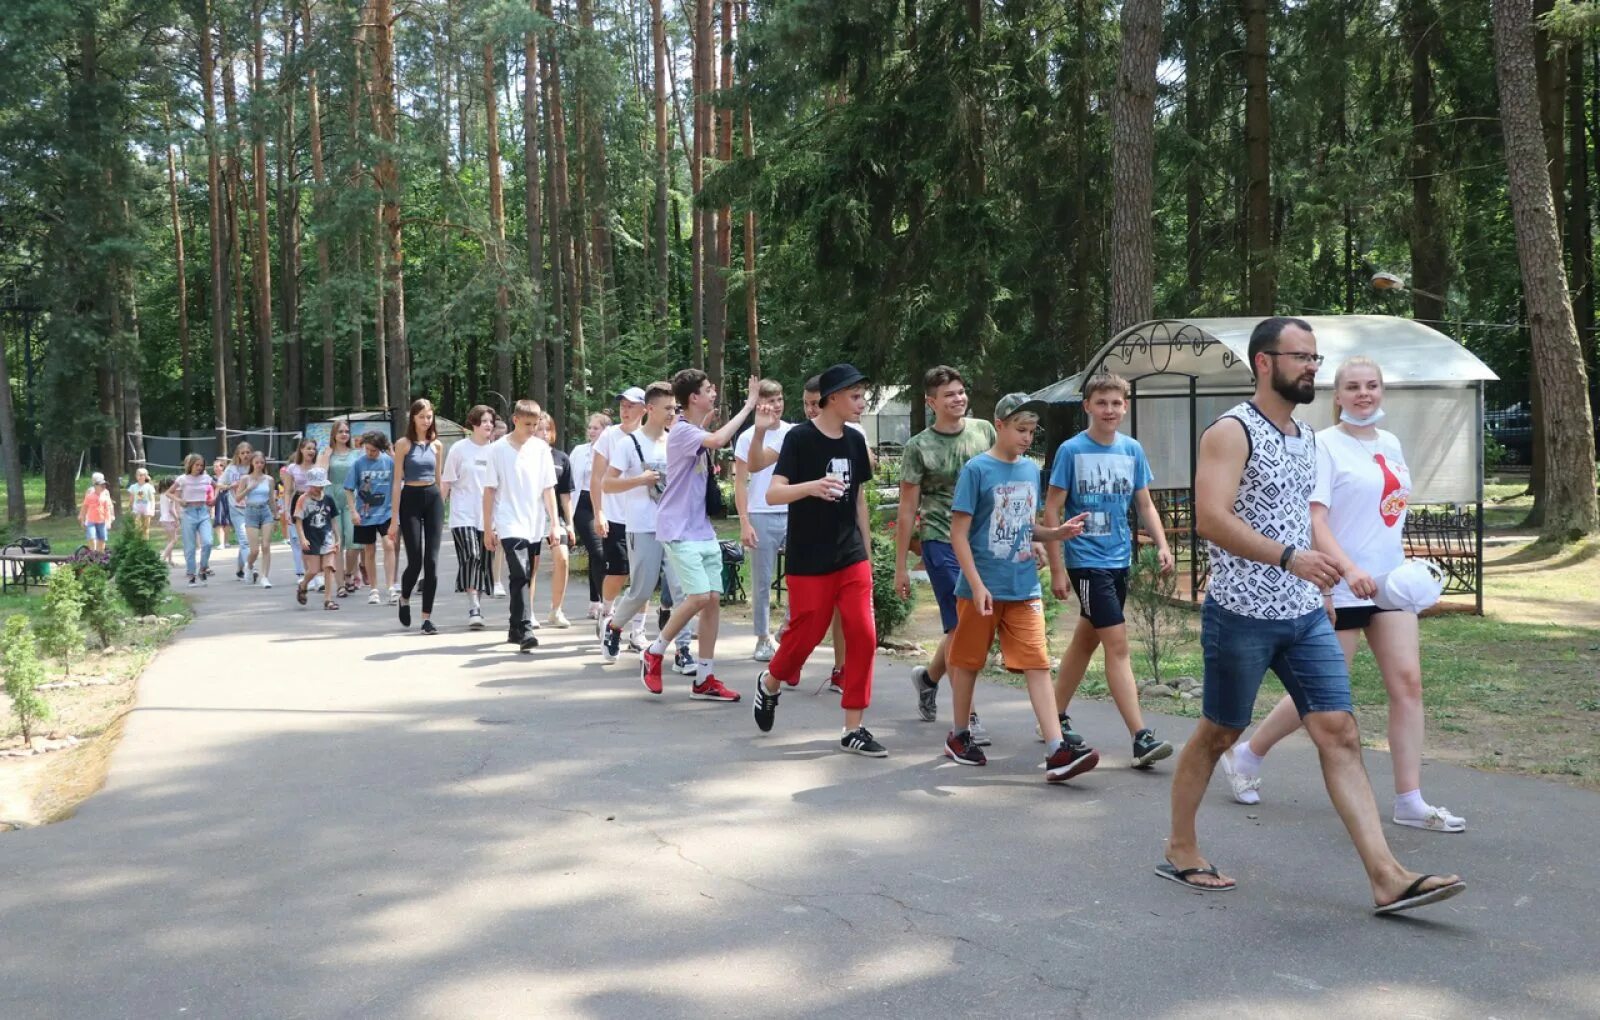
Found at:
<point>812,600</point>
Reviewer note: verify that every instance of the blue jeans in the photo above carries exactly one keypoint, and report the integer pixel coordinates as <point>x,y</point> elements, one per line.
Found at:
<point>771,531</point>
<point>1239,650</point>
<point>196,524</point>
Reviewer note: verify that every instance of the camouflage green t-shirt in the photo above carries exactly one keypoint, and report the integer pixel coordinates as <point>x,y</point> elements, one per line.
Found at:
<point>934,461</point>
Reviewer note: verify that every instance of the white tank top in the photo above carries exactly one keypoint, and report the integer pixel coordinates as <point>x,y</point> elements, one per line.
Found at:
<point>1274,500</point>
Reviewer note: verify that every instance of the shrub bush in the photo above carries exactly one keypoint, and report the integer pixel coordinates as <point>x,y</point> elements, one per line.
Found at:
<point>1156,622</point>
<point>19,661</point>
<point>140,574</point>
<point>59,633</point>
<point>889,610</point>
<point>102,610</point>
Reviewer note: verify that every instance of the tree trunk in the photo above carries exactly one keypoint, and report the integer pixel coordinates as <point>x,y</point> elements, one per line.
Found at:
<point>238,350</point>
<point>319,178</point>
<point>266,372</point>
<point>132,413</point>
<point>387,177</point>
<point>1133,153</point>
<point>181,273</point>
<point>533,215</point>
<point>1580,235</point>
<point>353,241</point>
<point>658,39</point>
<point>219,275</point>
<point>1570,509</point>
<point>597,196</point>
<point>10,451</point>
<point>550,113</point>
<point>1430,242</point>
<point>704,219</point>
<point>1550,73</point>
<point>748,131</point>
<point>497,231</point>
<point>717,283</point>
<point>288,203</point>
<point>1193,184</point>
<point>572,243</point>
<point>1259,260</point>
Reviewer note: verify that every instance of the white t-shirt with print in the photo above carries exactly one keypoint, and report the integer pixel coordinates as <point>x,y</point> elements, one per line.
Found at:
<point>520,478</point>
<point>761,480</point>
<point>640,504</point>
<point>582,458</point>
<point>1366,487</point>
<point>465,467</point>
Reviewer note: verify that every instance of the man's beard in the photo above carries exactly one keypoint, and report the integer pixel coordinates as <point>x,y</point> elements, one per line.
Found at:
<point>1294,389</point>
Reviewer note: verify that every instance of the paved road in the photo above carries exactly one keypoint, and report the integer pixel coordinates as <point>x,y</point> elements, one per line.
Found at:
<point>313,815</point>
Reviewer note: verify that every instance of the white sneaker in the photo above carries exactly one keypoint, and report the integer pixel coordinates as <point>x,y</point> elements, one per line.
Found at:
<point>374,599</point>
<point>394,589</point>
<point>559,620</point>
<point>499,591</point>
<point>637,640</point>
<point>317,583</point>
<point>766,648</point>
<point>1245,788</point>
<point>266,583</point>
<point>594,611</point>
<point>474,619</point>
<point>394,597</point>
<point>1436,818</point>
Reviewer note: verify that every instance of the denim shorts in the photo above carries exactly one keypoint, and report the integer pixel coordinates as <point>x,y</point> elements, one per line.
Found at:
<point>95,532</point>
<point>1239,650</point>
<point>944,570</point>
<point>257,516</point>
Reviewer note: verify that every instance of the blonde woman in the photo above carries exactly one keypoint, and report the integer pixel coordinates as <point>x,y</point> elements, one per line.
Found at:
<point>193,491</point>
<point>293,479</point>
<point>253,494</point>
<point>237,468</point>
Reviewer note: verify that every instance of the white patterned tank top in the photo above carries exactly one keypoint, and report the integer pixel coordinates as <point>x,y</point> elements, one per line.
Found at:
<point>1274,500</point>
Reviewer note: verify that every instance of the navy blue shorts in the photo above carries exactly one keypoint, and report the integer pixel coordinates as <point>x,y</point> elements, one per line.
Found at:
<point>1102,592</point>
<point>1239,650</point>
<point>944,570</point>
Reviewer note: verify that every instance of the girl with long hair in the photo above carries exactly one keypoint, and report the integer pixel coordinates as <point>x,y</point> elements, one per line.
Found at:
<point>293,479</point>
<point>228,483</point>
<point>253,494</point>
<point>419,508</point>
<point>582,458</point>
<point>336,459</point>
<point>193,492</point>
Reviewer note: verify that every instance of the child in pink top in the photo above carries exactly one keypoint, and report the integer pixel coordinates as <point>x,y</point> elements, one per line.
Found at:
<point>98,513</point>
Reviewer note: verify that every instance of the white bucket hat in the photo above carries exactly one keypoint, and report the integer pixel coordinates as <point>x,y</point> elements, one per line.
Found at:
<point>1413,586</point>
<point>316,478</point>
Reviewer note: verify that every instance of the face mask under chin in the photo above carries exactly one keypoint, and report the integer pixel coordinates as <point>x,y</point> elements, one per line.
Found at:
<point>1371,419</point>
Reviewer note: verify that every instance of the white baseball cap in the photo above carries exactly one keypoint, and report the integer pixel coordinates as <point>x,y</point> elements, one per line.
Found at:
<point>1413,586</point>
<point>633,395</point>
<point>97,479</point>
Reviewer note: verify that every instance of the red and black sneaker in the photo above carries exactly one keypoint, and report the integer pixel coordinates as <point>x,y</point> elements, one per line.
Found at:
<point>959,748</point>
<point>650,671</point>
<point>710,689</point>
<point>835,680</point>
<point>1068,761</point>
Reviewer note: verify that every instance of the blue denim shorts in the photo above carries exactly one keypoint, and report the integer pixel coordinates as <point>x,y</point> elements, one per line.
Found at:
<point>95,532</point>
<point>944,570</point>
<point>258,516</point>
<point>1239,650</point>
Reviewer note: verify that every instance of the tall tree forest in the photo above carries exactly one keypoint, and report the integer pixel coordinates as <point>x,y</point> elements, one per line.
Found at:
<point>252,213</point>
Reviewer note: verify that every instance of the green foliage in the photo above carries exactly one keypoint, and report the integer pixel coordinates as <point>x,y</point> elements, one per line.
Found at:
<point>1493,453</point>
<point>140,574</point>
<point>1154,619</point>
<point>23,673</point>
<point>889,610</point>
<point>60,632</point>
<point>102,611</point>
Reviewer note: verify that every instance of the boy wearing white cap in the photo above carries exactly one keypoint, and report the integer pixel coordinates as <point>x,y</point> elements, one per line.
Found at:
<point>316,520</point>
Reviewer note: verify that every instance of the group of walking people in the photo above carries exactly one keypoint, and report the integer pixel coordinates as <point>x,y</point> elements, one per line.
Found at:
<point>1301,527</point>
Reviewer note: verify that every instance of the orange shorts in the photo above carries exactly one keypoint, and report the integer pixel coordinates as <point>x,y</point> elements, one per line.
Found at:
<point>1021,628</point>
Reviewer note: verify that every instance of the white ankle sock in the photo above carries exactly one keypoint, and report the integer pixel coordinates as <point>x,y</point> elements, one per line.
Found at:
<point>1411,805</point>
<point>706,667</point>
<point>1246,760</point>
<point>657,647</point>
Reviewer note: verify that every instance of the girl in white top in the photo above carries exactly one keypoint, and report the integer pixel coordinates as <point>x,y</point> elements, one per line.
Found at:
<point>143,495</point>
<point>293,478</point>
<point>167,501</point>
<point>1358,515</point>
<point>582,457</point>
<point>462,485</point>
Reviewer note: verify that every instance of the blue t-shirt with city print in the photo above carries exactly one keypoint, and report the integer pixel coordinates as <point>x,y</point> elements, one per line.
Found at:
<point>1101,480</point>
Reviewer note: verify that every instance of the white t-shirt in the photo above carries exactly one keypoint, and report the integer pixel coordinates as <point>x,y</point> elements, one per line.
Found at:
<point>582,458</point>
<point>520,478</point>
<point>464,468</point>
<point>1365,486</point>
<point>639,505</point>
<point>760,480</point>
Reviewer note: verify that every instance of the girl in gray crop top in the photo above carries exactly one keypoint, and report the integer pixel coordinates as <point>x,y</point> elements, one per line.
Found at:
<point>421,463</point>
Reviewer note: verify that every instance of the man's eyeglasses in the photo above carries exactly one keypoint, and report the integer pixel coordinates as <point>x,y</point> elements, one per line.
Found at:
<point>1300,357</point>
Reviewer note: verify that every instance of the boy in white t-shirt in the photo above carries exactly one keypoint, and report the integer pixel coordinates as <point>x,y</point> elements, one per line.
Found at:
<point>762,526</point>
<point>465,468</point>
<point>519,511</point>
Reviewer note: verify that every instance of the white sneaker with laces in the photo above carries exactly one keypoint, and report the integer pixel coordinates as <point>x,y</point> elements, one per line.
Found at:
<point>1437,818</point>
<point>374,599</point>
<point>394,598</point>
<point>499,591</point>
<point>1246,789</point>
<point>266,583</point>
<point>766,648</point>
<point>559,620</point>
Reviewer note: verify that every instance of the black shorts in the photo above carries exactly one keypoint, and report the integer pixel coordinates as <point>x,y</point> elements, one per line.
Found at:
<point>615,547</point>
<point>368,534</point>
<point>1101,594</point>
<point>1355,617</point>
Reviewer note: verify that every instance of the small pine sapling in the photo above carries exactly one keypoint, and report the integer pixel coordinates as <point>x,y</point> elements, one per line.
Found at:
<point>1154,619</point>
<point>60,632</point>
<point>139,573</point>
<point>22,674</point>
<point>102,612</point>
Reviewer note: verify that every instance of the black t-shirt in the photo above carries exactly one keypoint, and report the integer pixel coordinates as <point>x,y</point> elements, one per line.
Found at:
<point>563,471</point>
<point>823,536</point>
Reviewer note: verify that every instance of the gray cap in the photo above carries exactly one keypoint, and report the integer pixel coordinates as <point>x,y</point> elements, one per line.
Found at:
<point>1010,404</point>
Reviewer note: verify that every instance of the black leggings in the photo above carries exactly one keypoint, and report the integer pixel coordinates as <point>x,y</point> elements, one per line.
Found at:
<point>583,520</point>
<point>421,520</point>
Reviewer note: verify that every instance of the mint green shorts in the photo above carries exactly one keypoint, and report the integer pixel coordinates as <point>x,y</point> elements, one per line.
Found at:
<point>698,565</point>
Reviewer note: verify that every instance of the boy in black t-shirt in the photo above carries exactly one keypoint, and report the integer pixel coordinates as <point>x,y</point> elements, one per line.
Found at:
<point>819,475</point>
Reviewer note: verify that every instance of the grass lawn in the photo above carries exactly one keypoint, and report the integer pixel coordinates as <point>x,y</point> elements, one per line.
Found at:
<point>64,533</point>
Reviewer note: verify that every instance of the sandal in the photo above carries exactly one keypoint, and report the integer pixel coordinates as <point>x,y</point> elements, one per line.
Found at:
<point>1413,898</point>
<point>1173,873</point>
<point>330,604</point>
<point>300,594</point>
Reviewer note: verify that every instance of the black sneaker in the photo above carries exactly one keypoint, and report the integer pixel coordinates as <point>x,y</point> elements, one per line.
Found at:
<point>513,636</point>
<point>859,741</point>
<point>959,748</point>
<point>683,662</point>
<point>662,615</point>
<point>1071,736</point>
<point>1147,749</point>
<point>1069,761</point>
<point>766,702</point>
<point>405,614</point>
<point>528,644</point>
<point>927,693</point>
<point>611,645</point>
<point>429,628</point>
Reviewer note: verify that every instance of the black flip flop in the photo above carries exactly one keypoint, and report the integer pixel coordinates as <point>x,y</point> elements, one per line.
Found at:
<point>1413,898</point>
<point>1173,873</point>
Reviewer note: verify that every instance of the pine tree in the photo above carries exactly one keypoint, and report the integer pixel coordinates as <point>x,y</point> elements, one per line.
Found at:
<point>23,673</point>
<point>61,633</point>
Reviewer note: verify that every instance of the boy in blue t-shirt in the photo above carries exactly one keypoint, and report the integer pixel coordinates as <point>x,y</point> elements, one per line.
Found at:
<point>992,535</point>
<point>1098,474</point>
<point>371,487</point>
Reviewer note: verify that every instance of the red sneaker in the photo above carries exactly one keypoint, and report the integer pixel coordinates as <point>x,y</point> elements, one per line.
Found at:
<point>1069,761</point>
<point>650,671</point>
<point>710,689</point>
<point>836,680</point>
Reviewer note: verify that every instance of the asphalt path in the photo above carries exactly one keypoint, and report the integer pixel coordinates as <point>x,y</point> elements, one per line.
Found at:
<point>317,814</point>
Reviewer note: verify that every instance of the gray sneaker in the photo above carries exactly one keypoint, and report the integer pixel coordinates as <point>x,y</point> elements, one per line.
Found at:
<point>927,693</point>
<point>980,736</point>
<point>1149,749</point>
<point>766,648</point>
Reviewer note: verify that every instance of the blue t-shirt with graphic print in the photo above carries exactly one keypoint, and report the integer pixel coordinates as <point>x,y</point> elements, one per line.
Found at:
<point>1101,480</point>
<point>1002,499</point>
